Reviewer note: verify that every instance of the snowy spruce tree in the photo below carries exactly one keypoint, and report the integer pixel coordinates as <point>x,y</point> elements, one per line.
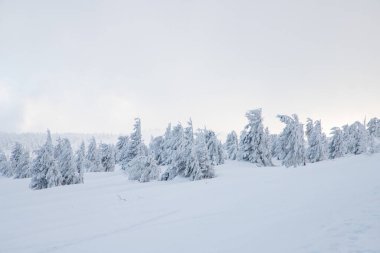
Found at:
<point>190,158</point>
<point>192,163</point>
<point>187,146</point>
<point>15,157</point>
<point>214,147</point>
<point>371,145</point>
<point>185,168</point>
<point>337,145</point>
<point>269,141</point>
<point>179,148</point>
<point>316,150</point>
<point>143,168</point>
<point>273,145</point>
<point>66,163</point>
<point>140,164</point>
<point>121,148</point>
<point>22,169</point>
<point>291,143</point>
<point>166,146</point>
<point>240,154</point>
<point>373,127</point>
<point>107,157</point>
<point>232,145</point>
<point>174,149</point>
<point>58,148</point>
<point>346,138</point>
<point>156,149</point>
<point>80,161</point>
<point>221,153</point>
<point>44,170</point>
<point>357,138</point>
<point>202,168</point>
<point>93,157</point>
<point>254,144</point>
<point>5,166</point>
<point>135,146</point>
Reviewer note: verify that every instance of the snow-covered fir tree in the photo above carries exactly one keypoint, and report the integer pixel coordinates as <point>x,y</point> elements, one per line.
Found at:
<point>240,154</point>
<point>269,141</point>
<point>143,168</point>
<point>371,145</point>
<point>291,143</point>
<point>138,162</point>
<point>135,146</point>
<point>316,150</point>
<point>156,148</point>
<point>22,169</point>
<point>232,145</point>
<point>346,138</point>
<point>187,146</point>
<point>192,163</point>
<point>5,166</point>
<point>44,170</point>
<point>166,146</point>
<point>221,152</point>
<point>174,147</point>
<point>204,168</point>
<point>373,127</point>
<point>107,157</point>
<point>337,145</point>
<point>358,138</point>
<point>80,161</point>
<point>58,148</point>
<point>254,145</point>
<point>121,148</point>
<point>273,145</point>
<point>93,157</point>
<point>179,149</point>
<point>214,147</point>
<point>53,177</point>
<point>15,157</point>
<point>66,163</point>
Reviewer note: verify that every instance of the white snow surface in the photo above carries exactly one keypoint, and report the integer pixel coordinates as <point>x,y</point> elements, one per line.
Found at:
<point>330,206</point>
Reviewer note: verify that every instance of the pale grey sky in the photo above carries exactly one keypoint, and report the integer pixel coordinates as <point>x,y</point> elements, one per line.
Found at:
<point>93,66</point>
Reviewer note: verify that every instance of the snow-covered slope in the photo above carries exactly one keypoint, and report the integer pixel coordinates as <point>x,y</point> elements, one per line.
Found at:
<point>331,206</point>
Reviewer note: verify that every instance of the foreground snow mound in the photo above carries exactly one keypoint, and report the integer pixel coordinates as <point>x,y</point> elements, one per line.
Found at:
<point>331,206</point>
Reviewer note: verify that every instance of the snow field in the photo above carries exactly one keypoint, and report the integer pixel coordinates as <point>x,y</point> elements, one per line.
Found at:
<point>330,206</point>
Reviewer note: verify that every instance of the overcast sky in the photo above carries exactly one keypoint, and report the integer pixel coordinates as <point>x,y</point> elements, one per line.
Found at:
<point>93,66</point>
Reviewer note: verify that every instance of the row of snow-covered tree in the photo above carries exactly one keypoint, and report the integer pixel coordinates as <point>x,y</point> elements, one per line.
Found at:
<point>183,153</point>
<point>256,145</point>
<point>188,153</point>
<point>56,165</point>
